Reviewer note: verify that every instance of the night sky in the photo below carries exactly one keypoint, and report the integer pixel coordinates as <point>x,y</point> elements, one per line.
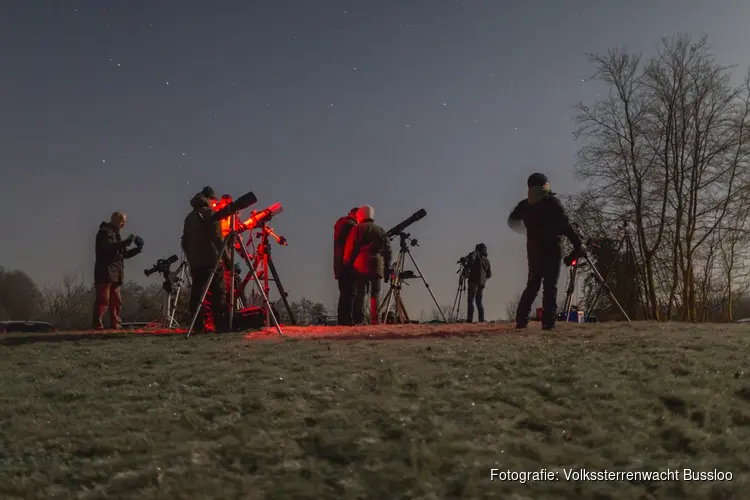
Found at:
<point>320,105</point>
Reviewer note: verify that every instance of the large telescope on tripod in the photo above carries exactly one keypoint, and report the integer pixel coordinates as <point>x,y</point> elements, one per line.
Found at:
<point>237,205</point>
<point>399,276</point>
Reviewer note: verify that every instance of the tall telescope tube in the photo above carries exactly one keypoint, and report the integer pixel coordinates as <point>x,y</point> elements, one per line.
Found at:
<point>399,228</point>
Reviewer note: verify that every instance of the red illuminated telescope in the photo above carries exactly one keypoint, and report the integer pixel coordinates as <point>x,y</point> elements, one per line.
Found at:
<point>263,216</point>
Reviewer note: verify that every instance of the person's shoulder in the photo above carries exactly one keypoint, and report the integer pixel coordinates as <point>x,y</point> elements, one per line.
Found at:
<point>552,199</point>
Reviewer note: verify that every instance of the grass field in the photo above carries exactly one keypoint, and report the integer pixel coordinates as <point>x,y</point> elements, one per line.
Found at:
<point>147,416</point>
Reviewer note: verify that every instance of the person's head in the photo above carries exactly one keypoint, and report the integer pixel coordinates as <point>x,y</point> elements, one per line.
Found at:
<point>118,220</point>
<point>481,248</point>
<point>365,212</point>
<point>223,202</point>
<point>537,180</point>
<point>353,213</point>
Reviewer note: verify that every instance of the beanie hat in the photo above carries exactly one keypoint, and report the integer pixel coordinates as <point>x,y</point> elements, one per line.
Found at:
<point>536,179</point>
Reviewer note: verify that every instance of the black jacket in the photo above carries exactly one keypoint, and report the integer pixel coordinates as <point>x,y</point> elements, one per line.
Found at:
<point>546,222</point>
<point>202,239</point>
<point>111,253</point>
<point>478,268</point>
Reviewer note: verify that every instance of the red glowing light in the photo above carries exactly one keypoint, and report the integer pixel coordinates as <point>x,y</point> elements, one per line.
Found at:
<point>574,262</point>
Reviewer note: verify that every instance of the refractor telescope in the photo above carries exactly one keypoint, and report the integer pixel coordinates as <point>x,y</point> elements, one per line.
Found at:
<point>237,205</point>
<point>258,218</point>
<point>399,228</point>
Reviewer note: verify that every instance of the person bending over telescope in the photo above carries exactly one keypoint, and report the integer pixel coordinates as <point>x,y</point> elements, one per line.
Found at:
<point>109,268</point>
<point>545,222</point>
<point>368,255</point>
<point>202,243</point>
<point>478,271</point>
<point>343,274</point>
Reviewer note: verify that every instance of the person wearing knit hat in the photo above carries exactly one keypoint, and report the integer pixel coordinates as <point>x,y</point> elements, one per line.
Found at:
<point>368,254</point>
<point>542,216</point>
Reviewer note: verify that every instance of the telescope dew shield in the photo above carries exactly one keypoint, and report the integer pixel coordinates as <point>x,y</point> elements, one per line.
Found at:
<point>263,216</point>
<point>237,205</point>
<point>399,228</point>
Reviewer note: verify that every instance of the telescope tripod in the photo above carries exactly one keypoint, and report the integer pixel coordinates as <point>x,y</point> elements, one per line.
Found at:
<point>264,261</point>
<point>232,241</point>
<point>574,266</point>
<point>398,279</point>
<point>171,288</point>
<point>456,310</point>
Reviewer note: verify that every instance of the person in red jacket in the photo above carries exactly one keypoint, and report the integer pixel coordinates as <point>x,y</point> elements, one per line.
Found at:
<point>343,275</point>
<point>368,254</point>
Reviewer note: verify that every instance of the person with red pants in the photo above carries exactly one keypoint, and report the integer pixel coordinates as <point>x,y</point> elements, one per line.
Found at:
<point>109,268</point>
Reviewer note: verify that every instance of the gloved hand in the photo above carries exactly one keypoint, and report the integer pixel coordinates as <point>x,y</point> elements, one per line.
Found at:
<point>127,241</point>
<point>576,254</point>
<point>138,242</point>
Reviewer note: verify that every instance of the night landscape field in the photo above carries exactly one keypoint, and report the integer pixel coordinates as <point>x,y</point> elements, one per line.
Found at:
<point>376,412</point>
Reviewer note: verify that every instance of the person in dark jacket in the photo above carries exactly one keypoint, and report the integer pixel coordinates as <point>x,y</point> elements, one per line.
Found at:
<point>203,243</point>
<point>545,222</point>
<point>368,254</point>
<point>343,275</point>
<point>109,268</point>
<point>478,271</point>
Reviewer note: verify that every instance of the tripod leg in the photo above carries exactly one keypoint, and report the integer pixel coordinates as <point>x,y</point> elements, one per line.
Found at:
<point>206,288</point>
<point>395,285</point>
<point>570,291</point>
<point>384,306</point>
<point>609,290</point>
<point>265,297</point>
<point>282,292</point>
<point>427,285</point>
<point>402,313</point>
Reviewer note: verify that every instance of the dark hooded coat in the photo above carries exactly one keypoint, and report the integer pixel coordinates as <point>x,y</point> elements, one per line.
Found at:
<point>545,220</point>
<point>202,239</point>
<point>478,268</point>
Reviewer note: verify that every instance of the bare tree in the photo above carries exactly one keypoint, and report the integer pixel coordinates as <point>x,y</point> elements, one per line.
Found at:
<point>668,152</point>
<point>70,305</point>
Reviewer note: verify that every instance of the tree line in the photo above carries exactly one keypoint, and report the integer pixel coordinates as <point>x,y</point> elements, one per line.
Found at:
<point>664,158</point>
<point>69,305</point>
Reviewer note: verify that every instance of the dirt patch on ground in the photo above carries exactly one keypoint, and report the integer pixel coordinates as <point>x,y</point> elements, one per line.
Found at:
<point>308,415</point>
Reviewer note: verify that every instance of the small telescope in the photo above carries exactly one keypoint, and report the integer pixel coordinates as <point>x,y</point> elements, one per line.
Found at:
<point>263,216</point>
<point>399,228</point>
<point>240,203</point>
<point>161,266</point>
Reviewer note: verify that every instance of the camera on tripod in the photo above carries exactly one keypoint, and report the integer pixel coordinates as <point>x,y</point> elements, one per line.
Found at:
<point>162,266</point>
